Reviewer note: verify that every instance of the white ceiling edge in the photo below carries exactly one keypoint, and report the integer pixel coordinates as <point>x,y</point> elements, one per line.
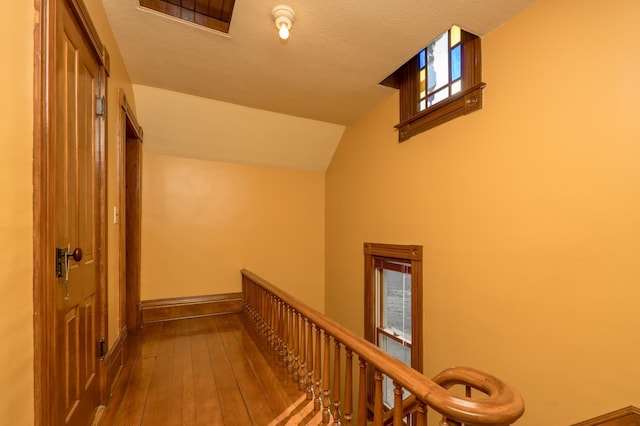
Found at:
<point>182,125</point>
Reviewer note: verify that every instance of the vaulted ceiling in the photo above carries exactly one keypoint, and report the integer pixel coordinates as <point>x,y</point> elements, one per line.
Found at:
<point>328,71</point>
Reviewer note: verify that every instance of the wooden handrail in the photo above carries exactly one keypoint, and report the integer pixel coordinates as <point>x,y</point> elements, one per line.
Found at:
<point>502,404</point>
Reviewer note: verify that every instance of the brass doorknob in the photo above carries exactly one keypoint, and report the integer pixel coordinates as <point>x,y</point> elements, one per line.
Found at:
<point>77,254</point>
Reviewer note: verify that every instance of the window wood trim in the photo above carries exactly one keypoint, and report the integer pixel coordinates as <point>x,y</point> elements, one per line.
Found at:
<point>469,99</point>
<point>412,253</point>
<point>394,337</point>
<point>461,103</point>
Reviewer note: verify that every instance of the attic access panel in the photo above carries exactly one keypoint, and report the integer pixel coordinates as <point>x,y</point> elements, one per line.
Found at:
<point>214,14</point>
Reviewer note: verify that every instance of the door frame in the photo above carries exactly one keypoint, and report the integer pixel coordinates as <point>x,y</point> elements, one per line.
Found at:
<point>46,376</point>
<point>129,290</point>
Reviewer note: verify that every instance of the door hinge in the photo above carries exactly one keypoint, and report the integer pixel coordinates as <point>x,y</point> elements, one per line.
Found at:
<point>102,348</point>
<point>100,106</point>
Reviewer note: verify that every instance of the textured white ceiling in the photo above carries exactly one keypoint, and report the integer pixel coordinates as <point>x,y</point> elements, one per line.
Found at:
<point>328,70</point>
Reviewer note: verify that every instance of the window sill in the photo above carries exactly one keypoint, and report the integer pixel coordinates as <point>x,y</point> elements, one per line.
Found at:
<point>462,103</point>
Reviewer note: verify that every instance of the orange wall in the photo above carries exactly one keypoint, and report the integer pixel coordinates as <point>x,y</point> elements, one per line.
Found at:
<point>16,193</point>
<point>528,211</point>
<point>203,221</point>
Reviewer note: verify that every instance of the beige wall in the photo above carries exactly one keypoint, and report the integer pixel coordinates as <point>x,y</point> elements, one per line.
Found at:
<point>203,221</point>
<point>16,193</point>
<point>528,211</point>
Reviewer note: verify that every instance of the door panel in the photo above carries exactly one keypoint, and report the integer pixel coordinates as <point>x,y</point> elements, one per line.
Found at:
<point>76,221</point>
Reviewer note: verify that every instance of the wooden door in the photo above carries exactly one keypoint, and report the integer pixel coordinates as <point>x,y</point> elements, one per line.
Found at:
<point>77,223</point>
<point>132,210</point>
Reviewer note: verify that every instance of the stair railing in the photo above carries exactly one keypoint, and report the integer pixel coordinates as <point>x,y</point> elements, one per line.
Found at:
<point>303,338</point>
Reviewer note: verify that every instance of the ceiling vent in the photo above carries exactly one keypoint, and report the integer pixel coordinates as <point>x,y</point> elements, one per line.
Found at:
<point>214,14</point>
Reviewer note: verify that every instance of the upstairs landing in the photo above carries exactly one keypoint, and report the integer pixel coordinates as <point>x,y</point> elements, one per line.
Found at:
<point>207,371</point>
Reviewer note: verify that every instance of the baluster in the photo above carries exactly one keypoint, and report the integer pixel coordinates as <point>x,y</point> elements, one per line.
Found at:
<point>302,373</point>
<point>260,305</point>
<point>397,405</point>
<point>421,414</point>
<point>245,295</point>
<point>257,308</point>
<point>245,292</point>
<point>348,386</point>
<point>282,326</point>
<point>291,355</point>
<point>254,310</point>
<point>296,348</point>
<point>254,304</point>
<point>362,394</point>
<point>326,403</point>
<point>268,312</point>
<point>264,320</point>
<point>310,366</point>
<point>273,303</point>
<point>249,299</point>
<point>268,302</point>
<point>317,389</point>
<point>267,319</point>
<point>285,335</point>
<point>264,329</point>
<point>276,326</point>
<point>336,384</point>
<point>377,398</point>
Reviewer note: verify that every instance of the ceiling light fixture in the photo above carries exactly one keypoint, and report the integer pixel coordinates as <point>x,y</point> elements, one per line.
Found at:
<point>283,17</point>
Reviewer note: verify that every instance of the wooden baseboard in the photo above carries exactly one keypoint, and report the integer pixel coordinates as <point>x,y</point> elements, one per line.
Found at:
<point>190,307</point>
<point>628,416</point>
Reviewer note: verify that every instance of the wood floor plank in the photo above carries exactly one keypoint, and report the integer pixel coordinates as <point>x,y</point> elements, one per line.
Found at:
<point>251,390</point>
<point>150,338</point>
<point>133,403</point>
<point>273,377</point>
<point>232,405</point>
<point>283,394</point>
<point>182,378</point>
<point>161,404</point>
<point>208,371</point>
<point>208,410</point>
<point>132,345</point>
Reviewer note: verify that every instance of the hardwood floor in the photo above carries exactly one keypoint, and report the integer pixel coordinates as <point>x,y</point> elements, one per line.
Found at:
<point>207,371</point>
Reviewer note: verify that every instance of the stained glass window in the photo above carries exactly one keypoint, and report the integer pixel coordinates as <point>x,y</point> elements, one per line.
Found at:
<point>440,66</point>
<point>442,82</point>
